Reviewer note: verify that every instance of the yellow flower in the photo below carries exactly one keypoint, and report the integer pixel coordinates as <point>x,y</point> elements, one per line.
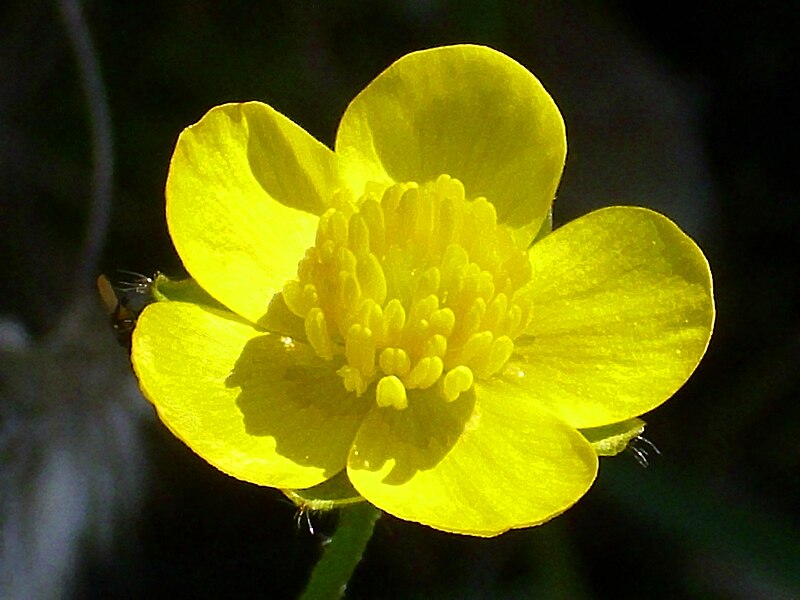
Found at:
<point>381,309</point>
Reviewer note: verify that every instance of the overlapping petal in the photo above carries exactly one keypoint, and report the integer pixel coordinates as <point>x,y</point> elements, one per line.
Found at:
<point>257,406</point>
<point>468,111</point>
<point>492,460</point>
<point>623,312</point>
<point>244,191</point>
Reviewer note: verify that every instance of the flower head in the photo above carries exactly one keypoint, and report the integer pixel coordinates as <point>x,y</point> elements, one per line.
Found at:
<point>382,309</point>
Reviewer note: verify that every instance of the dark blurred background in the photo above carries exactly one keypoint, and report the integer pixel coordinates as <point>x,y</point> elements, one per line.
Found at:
<point>691,111</point>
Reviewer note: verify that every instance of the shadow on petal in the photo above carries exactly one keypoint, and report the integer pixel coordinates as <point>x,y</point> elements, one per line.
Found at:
<point>403,442</point>
<point>293,168</point>
<point>291,395</point>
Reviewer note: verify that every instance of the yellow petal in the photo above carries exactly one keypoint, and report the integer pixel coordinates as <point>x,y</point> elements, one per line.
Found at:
<point>258,406</point>
<point>467,111</point>
<point>244,190</point>
<point>623,310</point>
<point>480,465</point>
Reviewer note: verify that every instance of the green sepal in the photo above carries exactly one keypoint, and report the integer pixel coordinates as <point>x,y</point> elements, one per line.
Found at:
<point>165,289</point>
<point>610,440</point>
<point>333,493</point>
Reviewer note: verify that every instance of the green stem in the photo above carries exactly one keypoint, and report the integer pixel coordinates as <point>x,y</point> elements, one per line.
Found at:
<point>342,553</point>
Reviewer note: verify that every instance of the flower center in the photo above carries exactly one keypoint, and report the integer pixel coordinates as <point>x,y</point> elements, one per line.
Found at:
<point>415,287</point>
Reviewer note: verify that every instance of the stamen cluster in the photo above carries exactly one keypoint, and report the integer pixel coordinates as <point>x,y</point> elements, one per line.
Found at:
<point>414,286</point>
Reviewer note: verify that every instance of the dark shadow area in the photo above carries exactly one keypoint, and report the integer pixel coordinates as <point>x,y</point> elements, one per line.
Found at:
<point>273,172</point>
<point>288,393</point>
<point>416,438</point>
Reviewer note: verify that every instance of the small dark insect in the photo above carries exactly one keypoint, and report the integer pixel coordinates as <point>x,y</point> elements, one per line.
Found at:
<point>641,447</point>
<point>124,302</point>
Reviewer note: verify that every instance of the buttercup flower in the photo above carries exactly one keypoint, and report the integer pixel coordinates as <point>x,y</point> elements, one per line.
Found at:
<point>382,310</point>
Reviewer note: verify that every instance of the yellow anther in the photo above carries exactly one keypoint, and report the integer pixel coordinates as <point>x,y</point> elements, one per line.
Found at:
<point>360,349</point>
<point>292,294</point>
<point>395,316</point>
<point>471,321</point>
<point>423,309</point>
<point>407,215</point>
<point>349,293</point>
<point>449,222</point>
<point>495,314</point>
<point>456,381</point>
<point>371,279</point>
<point>300,298</point>
<point>317,333</point>
<point>326,252</point>
<point>524,302</point>
<point>391,392</point>
<point>391,199</point>
<point>358,235</point>
<point>442,321</point>
<point>323,227</point>
<point>394,361</point>
<point>513,320</point>
<point>338,228</point>
<point>497,356</point>
<point>485,285</point>
<point>425,221</point>
<point>428,284</point>
<point>373,218</point>
<point>346,261</point>
<point>454,261</point>
<point>477,347</point>
<point>307,266</point>
<point>436,345</point>
<point>352,379</point>
<point>469,277</point>
<point>484,214</point>
<point>449,187</point>
<point>370,315</point>
<point>425,373</point>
